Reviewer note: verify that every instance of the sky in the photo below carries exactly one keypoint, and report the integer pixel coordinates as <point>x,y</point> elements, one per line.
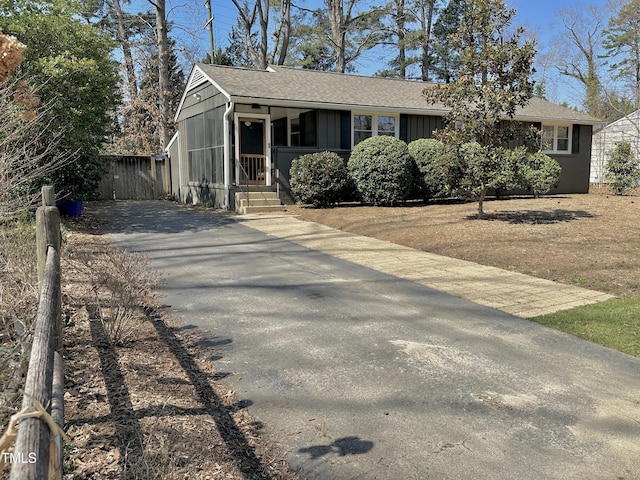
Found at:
<point>538,17</point>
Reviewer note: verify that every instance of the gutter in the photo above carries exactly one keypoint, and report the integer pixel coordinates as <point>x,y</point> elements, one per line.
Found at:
<point>227,154</point>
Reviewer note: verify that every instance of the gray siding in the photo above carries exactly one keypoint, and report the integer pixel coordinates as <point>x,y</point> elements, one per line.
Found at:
<point>329,129</point>
<point>414,127</point>
<point>575,167</point>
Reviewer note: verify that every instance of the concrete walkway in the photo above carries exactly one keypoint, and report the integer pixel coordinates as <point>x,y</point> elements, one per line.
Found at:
<point>511,292</point>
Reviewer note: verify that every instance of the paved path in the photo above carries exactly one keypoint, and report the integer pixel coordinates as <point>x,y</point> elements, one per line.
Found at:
<point>511,292</point>
<point>358,374</point>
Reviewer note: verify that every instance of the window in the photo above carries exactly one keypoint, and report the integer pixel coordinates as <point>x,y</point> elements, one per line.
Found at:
<point>367,125</point>
<point>362,127</point>
<point>556,139</point>
<point>295,132</point>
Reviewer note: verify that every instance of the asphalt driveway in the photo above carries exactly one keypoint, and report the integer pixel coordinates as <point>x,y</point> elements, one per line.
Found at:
<point>360,374</point>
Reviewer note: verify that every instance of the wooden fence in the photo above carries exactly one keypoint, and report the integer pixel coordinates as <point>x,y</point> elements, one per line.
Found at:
<point>38,447</point>
<point>135,178</point>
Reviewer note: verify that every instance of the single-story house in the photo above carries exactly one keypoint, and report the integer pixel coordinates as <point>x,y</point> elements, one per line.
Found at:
<point>605,138</point>
<point>239,129</point>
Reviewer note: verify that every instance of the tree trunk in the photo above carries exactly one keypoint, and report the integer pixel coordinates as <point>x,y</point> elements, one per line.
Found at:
<point>162,40</point>
<point>426,21</point>
<point>132,85</point>
<point>401,21</point>
<point>483,192</point>
<point>338,32</point>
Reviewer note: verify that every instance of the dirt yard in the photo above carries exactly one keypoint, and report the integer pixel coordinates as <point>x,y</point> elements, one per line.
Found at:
<point>590,240</point>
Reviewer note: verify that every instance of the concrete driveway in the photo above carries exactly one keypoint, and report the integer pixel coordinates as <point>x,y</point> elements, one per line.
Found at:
<point>359,374</point>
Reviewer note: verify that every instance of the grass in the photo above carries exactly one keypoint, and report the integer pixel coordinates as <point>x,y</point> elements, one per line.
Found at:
<point>614,324</point>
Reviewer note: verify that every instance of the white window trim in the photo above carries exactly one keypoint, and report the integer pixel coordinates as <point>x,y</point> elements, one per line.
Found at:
<point>374,123</point>
<point>555,126</point>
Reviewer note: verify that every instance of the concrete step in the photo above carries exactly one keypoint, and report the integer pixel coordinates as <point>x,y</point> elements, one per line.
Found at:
<point>258,201</point>
<point>261,201</point>
<point>261,209</point>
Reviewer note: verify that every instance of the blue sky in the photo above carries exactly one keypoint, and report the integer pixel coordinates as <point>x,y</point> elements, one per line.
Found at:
<point>539,17</point>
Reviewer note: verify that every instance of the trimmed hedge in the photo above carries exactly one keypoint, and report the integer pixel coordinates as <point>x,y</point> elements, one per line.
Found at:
<point>381,168</point>
<point>319,179</point>
<point>431,182</point>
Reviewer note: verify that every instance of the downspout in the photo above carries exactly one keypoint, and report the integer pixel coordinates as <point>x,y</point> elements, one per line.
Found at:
<point>227,155</point>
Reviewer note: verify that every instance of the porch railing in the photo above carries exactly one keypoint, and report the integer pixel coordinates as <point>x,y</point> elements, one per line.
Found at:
<point>253,169</point>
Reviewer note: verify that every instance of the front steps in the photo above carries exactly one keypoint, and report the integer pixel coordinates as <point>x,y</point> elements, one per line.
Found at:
<point>258,202</point>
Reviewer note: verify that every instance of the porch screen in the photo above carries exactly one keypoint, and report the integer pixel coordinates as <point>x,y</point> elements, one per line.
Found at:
<point>205,147</point>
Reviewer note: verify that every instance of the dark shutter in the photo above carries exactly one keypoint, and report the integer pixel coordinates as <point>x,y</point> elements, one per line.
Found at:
<point>404,127</point>
<point>345,130</point>
<point>575,139</point>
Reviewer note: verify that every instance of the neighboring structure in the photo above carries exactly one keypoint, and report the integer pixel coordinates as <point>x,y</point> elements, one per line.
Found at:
<point>239,129</point>
<point>626,129</point>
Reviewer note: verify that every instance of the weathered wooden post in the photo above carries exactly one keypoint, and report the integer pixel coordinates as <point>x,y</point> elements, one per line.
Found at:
<point>48,233</point>
<point>34,434</point>
<point>48,196</point>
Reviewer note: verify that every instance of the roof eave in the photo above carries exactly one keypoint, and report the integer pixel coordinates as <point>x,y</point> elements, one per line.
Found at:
<point>276,102</point>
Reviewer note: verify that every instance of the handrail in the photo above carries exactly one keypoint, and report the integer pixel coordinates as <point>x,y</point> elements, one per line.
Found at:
<point>239,183</point>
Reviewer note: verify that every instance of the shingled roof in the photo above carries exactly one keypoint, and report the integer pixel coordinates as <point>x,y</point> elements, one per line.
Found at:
<point>293,87</point>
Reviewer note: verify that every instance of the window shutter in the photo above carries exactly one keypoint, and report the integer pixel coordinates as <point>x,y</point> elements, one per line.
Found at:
<point>345,130</point>
<point>575,139</point>
<point>404,127</point>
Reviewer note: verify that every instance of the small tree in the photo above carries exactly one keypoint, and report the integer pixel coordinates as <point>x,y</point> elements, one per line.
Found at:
<point>493,81</point>
<point>622,170</point>
<point>319,179</point>
<point>426,152</point>
<point>381,168</point>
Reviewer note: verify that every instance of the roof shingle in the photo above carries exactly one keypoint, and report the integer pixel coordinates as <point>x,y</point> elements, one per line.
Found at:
<point>286,86</point>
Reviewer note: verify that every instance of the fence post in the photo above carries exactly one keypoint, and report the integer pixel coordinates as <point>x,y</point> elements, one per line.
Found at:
<point>48,196</point>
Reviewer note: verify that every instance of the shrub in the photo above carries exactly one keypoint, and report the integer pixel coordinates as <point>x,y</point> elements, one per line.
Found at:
<point>122,284</point>
<point>539,173</point>
<point>319,178</point>
<point>381,168</point>
<point>621,171</point>
<point>431,181</point>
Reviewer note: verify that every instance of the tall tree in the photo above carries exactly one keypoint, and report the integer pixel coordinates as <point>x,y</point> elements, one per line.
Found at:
<point>494,80</point>
<point>254,24</point>
<point>444,58</point>
<point>140,117</point>
<point>622,45</point>
<point>578,51</point>
<point>401,37</point>
<point>426,10</point>
<point>351,31</point>
<point>164,75</point>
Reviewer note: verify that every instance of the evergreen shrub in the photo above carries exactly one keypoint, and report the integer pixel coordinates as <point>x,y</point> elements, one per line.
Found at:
<point>319,179</point>
<point>381,168</point>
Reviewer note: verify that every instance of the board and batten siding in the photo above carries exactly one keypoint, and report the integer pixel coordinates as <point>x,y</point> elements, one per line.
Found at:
<point>415,127</point>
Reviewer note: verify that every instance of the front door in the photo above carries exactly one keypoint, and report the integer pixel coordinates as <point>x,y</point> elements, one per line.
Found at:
<point>252,165</point>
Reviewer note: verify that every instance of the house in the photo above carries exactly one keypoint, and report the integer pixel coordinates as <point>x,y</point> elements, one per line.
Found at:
<point>239,129</point>
<point>625,129</point>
